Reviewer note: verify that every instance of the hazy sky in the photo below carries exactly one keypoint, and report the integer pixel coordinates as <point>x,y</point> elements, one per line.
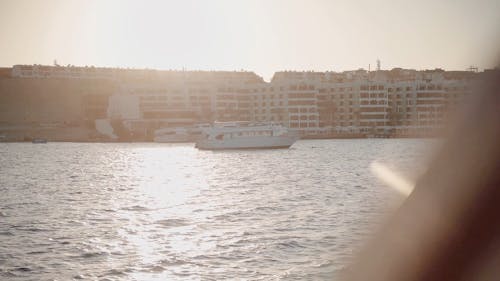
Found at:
<point>262,36</point>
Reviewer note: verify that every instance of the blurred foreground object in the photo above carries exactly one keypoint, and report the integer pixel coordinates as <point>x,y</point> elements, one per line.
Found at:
<point>449,227</point>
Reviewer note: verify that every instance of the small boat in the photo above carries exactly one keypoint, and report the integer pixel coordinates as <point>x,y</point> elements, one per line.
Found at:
<point>245,135</point>
<point>38,140</point>
<point>171,135</point>
<point>180,134</point>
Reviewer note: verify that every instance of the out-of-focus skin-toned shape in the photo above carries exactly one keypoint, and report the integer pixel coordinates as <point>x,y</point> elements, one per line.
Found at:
<point>449,226</point>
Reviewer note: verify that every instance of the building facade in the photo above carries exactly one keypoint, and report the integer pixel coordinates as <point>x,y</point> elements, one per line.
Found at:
<point>396,102</point>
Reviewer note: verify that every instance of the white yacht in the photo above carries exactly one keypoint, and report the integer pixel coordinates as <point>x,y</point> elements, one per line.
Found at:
<point>245,135</point>
<point>180,134</point>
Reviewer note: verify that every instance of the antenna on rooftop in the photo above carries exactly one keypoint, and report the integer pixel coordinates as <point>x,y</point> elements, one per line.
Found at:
<point>369,69</point>
<point>378,65</point>
<point>472,68</point>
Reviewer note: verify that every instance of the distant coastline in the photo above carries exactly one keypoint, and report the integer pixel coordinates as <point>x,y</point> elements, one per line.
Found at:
<point>68,103</point>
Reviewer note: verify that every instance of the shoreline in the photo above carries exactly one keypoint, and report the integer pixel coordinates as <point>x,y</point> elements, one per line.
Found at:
<point>146,141</point>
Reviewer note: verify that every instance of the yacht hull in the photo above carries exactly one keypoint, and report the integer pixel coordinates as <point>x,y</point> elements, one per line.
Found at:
<point>247,143</point>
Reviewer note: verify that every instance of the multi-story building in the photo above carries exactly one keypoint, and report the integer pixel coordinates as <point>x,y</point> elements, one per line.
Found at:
<point>171,99</point>
<point>399,101</point>
<point>396,102</point>
<point>294,102</point>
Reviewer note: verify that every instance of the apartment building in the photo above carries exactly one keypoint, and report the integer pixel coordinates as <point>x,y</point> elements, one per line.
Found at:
<point>294,105</point>
<point>396,102</point>
<point>56,71</point>
<point>173,99</point>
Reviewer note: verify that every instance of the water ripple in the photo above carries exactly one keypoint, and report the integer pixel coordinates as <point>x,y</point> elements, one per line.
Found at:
<point>171,212</point>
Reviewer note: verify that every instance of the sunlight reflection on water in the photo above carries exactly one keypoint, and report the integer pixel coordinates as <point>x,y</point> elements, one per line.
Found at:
<point>171,212</point>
